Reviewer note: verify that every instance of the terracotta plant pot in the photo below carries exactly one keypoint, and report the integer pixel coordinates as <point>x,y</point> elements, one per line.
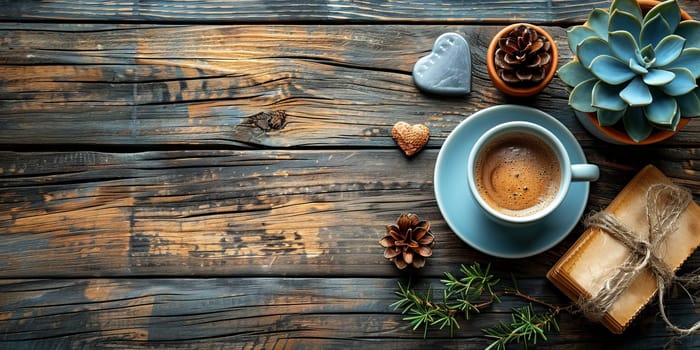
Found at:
<point>615,135</point>
<point>520,91</point>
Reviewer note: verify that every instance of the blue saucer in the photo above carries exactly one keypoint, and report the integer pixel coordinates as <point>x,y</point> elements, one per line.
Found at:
<point>462,213</point>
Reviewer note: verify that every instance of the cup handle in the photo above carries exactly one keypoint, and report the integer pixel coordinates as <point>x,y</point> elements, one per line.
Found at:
<point>584,172</point>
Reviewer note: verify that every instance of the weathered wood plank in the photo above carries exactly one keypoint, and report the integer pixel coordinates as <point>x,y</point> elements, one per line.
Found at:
<point>228,212</point>
<point>272,313</point>
<point>275,11</point>
<point>336,84</point>
<point>159,76</point>
<point>146,85</point>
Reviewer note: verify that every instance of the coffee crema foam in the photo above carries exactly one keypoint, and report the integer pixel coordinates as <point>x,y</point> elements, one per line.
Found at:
<point>517,174</point>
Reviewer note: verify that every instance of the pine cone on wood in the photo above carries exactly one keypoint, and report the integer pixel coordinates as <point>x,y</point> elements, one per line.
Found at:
<point>408,242</point>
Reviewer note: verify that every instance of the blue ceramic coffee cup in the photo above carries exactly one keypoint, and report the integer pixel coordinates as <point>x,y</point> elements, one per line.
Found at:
<point>519,172</point>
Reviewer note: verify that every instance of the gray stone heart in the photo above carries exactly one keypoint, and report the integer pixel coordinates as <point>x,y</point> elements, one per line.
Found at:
<point>447,70</point>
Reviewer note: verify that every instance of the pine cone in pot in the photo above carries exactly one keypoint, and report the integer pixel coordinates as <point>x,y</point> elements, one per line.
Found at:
<point>408,242</point>
<point>522,59</point>
<point>522,56</point>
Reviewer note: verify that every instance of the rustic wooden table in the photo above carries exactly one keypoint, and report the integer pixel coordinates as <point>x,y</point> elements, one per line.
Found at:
<point>190,174</point>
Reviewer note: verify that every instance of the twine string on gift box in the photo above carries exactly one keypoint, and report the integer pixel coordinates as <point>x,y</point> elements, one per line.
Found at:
<point>664,206</point>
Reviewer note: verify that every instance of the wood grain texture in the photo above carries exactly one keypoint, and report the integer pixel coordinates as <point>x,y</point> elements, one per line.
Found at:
<point>271,313</point>
<point>275,11</point>
<point>207,85</point>
<point>337,85</point>
<point>243,212</point>
<point>217,174</point>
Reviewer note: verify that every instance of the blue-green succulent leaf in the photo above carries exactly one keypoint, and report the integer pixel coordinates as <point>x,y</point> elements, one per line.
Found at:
<point>668,50</point>
<point>674,122</point>
<point>609,118</point>
<point>689,59</point>
<point>598,21</point>
<point>672,126</point>
<point>662,110</point>
<point>573,73</point>
<point>636,125</point>
<point>689,104</point>
<point>590,48</point>
<point>629,6</point>
<point>611,70</point>
<point>620,20</point>
<point>636,93</point>
<point>623,45</point>
<point>647,56</point>
<point>577,34</point>
<point>683,83</point>
<point>654,30</point>
<point>690,30</point>
<point>669,11</point>
<point>657,77</point>
<point>581,96</point>
<point>636,67</point>
<point>607,96</point>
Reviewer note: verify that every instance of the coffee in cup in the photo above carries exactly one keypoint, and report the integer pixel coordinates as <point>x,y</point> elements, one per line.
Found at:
<point>519,172</point>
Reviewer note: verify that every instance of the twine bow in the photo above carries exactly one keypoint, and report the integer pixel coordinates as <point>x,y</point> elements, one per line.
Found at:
<point>664,206</point>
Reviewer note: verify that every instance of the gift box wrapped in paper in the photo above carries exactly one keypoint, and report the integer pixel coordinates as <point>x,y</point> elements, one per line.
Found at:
<point>592,265</point>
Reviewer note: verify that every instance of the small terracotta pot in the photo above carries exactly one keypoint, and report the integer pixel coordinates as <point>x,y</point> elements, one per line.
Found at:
<point>614,134</point>
<point>520,91</point>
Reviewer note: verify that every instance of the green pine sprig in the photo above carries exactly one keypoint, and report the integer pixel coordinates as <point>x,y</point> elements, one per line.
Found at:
<point>475,290</point>
<point>526,326</point>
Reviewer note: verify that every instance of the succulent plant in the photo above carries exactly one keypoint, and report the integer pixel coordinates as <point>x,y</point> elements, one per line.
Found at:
<point>636,70</point>
<point>523,56</point>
